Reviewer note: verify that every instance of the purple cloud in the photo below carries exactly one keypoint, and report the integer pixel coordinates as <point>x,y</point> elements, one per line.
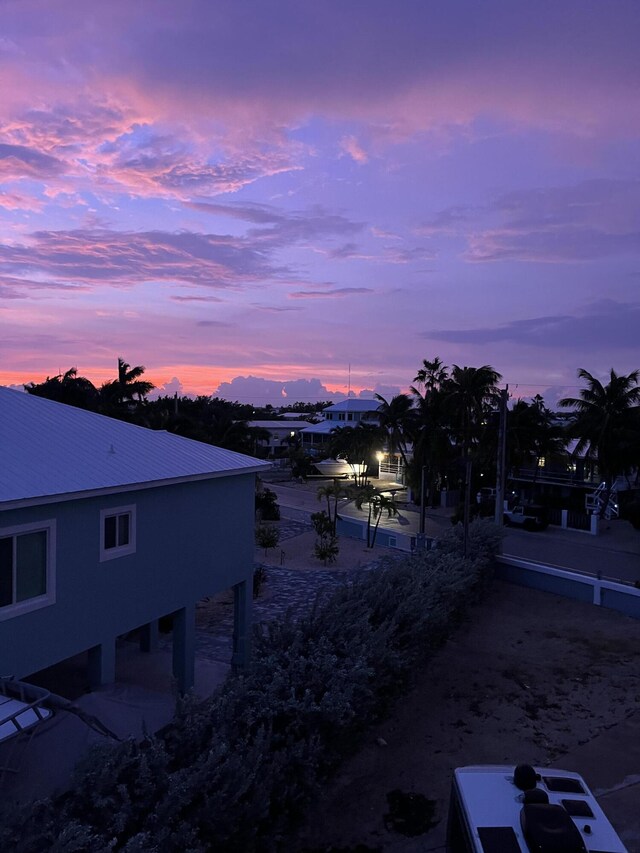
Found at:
<point>18,161</point>
<point>283,228</point>
<point>602,326</point>
<point>580,222</point>
<point>336,292</point>
<point>126,258</point>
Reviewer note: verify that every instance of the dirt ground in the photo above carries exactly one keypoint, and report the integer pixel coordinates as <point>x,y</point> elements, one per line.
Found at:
<point>529,677</point>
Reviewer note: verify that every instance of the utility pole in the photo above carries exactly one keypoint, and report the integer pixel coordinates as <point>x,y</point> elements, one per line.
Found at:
<point>423,508</point>
<point>502,456</point>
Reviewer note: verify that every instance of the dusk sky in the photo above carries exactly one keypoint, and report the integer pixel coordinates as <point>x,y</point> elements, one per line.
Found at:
<point>249,196</point>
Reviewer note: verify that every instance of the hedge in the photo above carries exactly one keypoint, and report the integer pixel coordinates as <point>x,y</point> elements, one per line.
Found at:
<point>234,772</point>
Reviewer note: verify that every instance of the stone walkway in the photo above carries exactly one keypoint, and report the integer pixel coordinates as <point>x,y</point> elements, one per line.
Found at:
<point>283,591</point>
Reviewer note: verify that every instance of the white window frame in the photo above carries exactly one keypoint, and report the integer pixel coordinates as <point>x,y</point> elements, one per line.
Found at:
<point>49,597</point>
<point>118,550</point>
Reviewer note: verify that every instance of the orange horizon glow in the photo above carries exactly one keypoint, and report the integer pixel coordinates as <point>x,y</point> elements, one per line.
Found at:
<point>195,379</point>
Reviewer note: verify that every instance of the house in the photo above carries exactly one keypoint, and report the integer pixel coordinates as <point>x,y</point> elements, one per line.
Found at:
<point>105,527</point>
<point>349,412</point>
<point>280,434</point>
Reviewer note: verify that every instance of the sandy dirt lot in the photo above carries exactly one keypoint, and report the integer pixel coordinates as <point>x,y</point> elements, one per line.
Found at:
<point>528,677</point>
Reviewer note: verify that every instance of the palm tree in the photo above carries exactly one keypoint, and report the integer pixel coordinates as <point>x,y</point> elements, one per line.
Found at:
<point>432,374</point>
<point>332,491</point>
<point>432,445</point>
<point>470,393</point>
<point>382,503</point>
<point>606,423</point>
<point>356,445</point>
<point>397,419</point>
<point>119,394</point>
<point>532,434</point>
<point>67,388</point>
<point>364,494</point>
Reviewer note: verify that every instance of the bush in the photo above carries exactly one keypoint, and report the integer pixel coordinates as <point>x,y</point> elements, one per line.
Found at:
<point>267,536</point>
<point>259,578</point>
<point>326,548</point>
<point>233,772</point>
<point>266,504</point>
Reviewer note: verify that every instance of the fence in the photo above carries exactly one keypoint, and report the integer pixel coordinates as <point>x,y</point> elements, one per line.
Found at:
<point>570,584</point>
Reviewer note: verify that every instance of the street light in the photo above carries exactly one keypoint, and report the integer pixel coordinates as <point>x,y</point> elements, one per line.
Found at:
<point>379,457</point>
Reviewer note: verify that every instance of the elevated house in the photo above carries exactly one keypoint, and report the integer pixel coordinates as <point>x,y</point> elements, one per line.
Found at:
<point>278,435</point>
<point>350,412</point>
<point>106,527</point>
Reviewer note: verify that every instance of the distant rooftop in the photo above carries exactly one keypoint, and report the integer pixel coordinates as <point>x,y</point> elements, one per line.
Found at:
<point>49,451</point>
<point>278,425</point>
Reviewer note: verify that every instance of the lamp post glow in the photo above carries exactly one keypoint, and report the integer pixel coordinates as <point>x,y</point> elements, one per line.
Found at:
<point>379,457</point>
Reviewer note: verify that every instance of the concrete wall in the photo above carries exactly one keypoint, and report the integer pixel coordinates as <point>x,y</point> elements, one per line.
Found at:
<point>192,540</point>
<point>356,528</point>
<point>616,596</point>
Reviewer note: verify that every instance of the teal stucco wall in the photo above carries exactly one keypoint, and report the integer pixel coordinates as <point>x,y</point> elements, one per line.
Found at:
<point>192,539</point>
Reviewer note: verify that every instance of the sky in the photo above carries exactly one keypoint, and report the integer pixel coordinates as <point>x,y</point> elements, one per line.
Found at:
<point>282,200</point>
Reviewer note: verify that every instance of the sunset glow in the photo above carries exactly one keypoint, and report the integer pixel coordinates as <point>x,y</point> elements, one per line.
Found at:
<point>265,199</point>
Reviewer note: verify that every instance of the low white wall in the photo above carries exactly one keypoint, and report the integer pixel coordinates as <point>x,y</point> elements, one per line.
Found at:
<point>571,584</point>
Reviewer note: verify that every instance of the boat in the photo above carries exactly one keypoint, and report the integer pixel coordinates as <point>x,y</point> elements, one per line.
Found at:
<point>499,809</point>
<point>334,468</point>
<point>22,706</point>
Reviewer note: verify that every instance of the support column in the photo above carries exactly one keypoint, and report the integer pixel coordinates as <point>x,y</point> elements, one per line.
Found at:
<point>242,605</point>
<point>184,647</point>
<point>101,665</point>
<point>149,637</point>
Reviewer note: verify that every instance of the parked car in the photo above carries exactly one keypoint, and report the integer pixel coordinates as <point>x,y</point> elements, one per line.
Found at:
<point>527,517</point>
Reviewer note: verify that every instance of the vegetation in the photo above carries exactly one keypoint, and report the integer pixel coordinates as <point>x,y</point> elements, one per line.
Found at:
<point>266,504</point>
<point>206,419</point>
<point>606,423</point>
<point>326,546</point>
<point>357,445</point>
<point>267,536</point>
<point>331,493</point>
<point>235,771</point>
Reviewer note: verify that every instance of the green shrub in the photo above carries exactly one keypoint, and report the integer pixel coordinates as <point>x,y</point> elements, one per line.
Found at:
<point>326,548</point>
<point>266,504</point>
<point>267,536</point>
<point>233,772</point>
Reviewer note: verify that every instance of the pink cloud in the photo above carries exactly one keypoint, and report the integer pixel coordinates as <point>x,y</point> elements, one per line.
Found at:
<point>352,147</point>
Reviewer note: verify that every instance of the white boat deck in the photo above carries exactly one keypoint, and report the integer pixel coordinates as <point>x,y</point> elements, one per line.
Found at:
<point>17,716</point>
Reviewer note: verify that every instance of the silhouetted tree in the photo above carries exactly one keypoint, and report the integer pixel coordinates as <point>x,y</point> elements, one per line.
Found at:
<point>67,388</point>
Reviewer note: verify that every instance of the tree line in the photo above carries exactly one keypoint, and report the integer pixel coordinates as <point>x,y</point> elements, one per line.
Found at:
<point>444,430</point>
<point>208,419</point>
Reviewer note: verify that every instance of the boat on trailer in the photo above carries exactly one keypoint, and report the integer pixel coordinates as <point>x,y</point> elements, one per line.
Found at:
<point>496,809</point>
<point>22,708</point>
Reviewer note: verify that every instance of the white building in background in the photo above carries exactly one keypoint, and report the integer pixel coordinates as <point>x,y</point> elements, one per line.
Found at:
<point>350,412</point>
<point>280,434</point>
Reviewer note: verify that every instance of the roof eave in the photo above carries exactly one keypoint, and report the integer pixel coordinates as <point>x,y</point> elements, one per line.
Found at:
<point>40,500</point>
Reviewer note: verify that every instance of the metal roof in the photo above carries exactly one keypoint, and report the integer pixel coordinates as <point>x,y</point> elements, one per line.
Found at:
<point>274,426</point>
<point>324,427</point>
<point>49,451</point>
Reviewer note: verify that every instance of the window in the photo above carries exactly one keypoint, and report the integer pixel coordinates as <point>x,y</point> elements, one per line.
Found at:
<point>27,565</point>
<point>117,532</point>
